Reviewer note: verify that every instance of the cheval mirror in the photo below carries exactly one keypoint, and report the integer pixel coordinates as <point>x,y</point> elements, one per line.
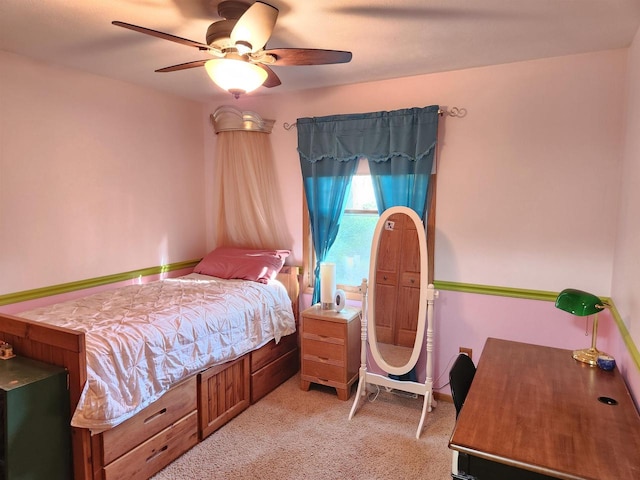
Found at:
<point>397,310</point>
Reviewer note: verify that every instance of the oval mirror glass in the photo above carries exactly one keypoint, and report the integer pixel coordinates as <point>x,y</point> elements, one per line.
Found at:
<point>397,290</point>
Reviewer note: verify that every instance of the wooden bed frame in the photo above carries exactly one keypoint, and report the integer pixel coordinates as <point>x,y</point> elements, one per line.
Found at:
<point>186,414</point>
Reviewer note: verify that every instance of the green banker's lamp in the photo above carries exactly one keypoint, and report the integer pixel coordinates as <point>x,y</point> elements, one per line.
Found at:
<point>583,304</point>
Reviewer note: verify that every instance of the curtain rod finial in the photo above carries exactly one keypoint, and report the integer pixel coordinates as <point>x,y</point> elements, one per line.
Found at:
<point>453,112</point>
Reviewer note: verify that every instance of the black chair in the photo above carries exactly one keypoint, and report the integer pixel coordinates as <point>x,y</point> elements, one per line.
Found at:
<point>460,378</point>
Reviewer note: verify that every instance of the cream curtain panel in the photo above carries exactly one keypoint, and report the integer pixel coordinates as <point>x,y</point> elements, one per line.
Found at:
<point>248,206</point>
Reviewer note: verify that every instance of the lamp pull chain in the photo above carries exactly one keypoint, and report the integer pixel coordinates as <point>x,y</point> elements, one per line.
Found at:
<point>586,326</point>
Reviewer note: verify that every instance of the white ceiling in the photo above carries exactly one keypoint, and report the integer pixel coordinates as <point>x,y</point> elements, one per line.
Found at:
<point>388,38</point>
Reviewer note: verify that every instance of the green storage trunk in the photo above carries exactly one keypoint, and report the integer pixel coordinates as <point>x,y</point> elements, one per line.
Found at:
<point>35,439</point>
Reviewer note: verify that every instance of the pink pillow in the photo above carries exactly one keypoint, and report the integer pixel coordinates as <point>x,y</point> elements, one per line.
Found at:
<point>246,264</point>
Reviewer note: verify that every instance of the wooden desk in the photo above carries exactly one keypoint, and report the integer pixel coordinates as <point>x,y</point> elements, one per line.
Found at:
<point>536,409</point>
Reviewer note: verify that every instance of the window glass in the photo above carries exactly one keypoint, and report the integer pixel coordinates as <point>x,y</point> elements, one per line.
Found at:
<point>352,248</point>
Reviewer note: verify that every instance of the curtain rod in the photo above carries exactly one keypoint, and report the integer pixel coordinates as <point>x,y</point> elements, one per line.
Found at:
<point>453,112</point>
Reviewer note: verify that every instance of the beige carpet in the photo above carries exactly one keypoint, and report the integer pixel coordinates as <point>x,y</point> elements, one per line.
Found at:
<point>291,434</point>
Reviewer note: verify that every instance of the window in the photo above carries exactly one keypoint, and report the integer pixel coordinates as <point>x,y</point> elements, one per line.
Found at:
<point>352,249</point>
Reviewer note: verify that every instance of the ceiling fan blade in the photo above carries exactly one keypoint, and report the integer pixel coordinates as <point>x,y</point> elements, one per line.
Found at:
<point>165,36</point>
<point>183,66</point>
<point>255,26</point>
<point>272,79</point>
<point>308,56</point>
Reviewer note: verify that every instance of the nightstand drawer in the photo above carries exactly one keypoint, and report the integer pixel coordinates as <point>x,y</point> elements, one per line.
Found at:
<point>323,370</point>
<point>323,330</point>
<point>323,350</point>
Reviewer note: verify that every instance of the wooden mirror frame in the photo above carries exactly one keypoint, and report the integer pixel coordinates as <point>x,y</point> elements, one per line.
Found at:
<point>422,307</point>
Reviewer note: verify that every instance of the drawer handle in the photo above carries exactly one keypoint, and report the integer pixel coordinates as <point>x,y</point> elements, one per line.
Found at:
<point>324,359</point>
<point>320,338</point>
<point>155,415</point>
<point>156,454</point>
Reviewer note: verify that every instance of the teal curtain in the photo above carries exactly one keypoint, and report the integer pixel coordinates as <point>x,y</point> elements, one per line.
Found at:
<point>326,184</point>
<point>400,148</point>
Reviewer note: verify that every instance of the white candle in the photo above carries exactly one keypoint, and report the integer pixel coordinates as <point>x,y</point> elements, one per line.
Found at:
<point>327,284</point>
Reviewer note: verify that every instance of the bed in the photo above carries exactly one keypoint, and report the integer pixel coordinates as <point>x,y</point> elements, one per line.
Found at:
<point>154,403</point>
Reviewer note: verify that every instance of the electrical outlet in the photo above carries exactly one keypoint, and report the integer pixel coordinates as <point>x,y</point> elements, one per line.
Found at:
<point>467,351</point>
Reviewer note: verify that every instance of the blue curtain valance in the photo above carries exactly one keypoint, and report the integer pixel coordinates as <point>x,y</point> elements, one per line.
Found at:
<point>379,136</point>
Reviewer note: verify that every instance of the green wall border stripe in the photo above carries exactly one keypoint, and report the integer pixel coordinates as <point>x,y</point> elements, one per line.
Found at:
<point>626,336</point>
<point>498,291</point>
<point>540,295</point>
<point>92,282</point>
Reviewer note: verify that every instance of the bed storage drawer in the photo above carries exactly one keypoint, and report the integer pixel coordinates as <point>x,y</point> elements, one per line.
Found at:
<point>274,374</point>
<point>223,392</point>
<point>272,351</point>
<point>157,452</point>
<point>173,405</point>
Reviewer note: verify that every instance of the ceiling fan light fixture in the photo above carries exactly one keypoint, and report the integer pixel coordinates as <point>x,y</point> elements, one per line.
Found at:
<point>235,76</point>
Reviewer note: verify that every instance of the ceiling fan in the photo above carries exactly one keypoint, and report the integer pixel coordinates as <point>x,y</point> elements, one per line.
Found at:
<point>241,63</point>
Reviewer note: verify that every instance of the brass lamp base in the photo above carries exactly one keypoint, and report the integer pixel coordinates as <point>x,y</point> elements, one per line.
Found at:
<point>588,355</point>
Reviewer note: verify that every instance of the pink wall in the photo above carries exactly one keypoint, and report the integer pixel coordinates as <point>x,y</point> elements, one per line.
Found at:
<point>469,319</point>
<point>17,308</point>
<point>97,176</point>
<point>626,278</point>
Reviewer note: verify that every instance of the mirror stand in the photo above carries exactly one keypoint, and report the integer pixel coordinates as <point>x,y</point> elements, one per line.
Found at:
<point>366,377</point>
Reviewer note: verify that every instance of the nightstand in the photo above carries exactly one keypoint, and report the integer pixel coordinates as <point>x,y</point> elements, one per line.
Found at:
<point>330,344</point>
